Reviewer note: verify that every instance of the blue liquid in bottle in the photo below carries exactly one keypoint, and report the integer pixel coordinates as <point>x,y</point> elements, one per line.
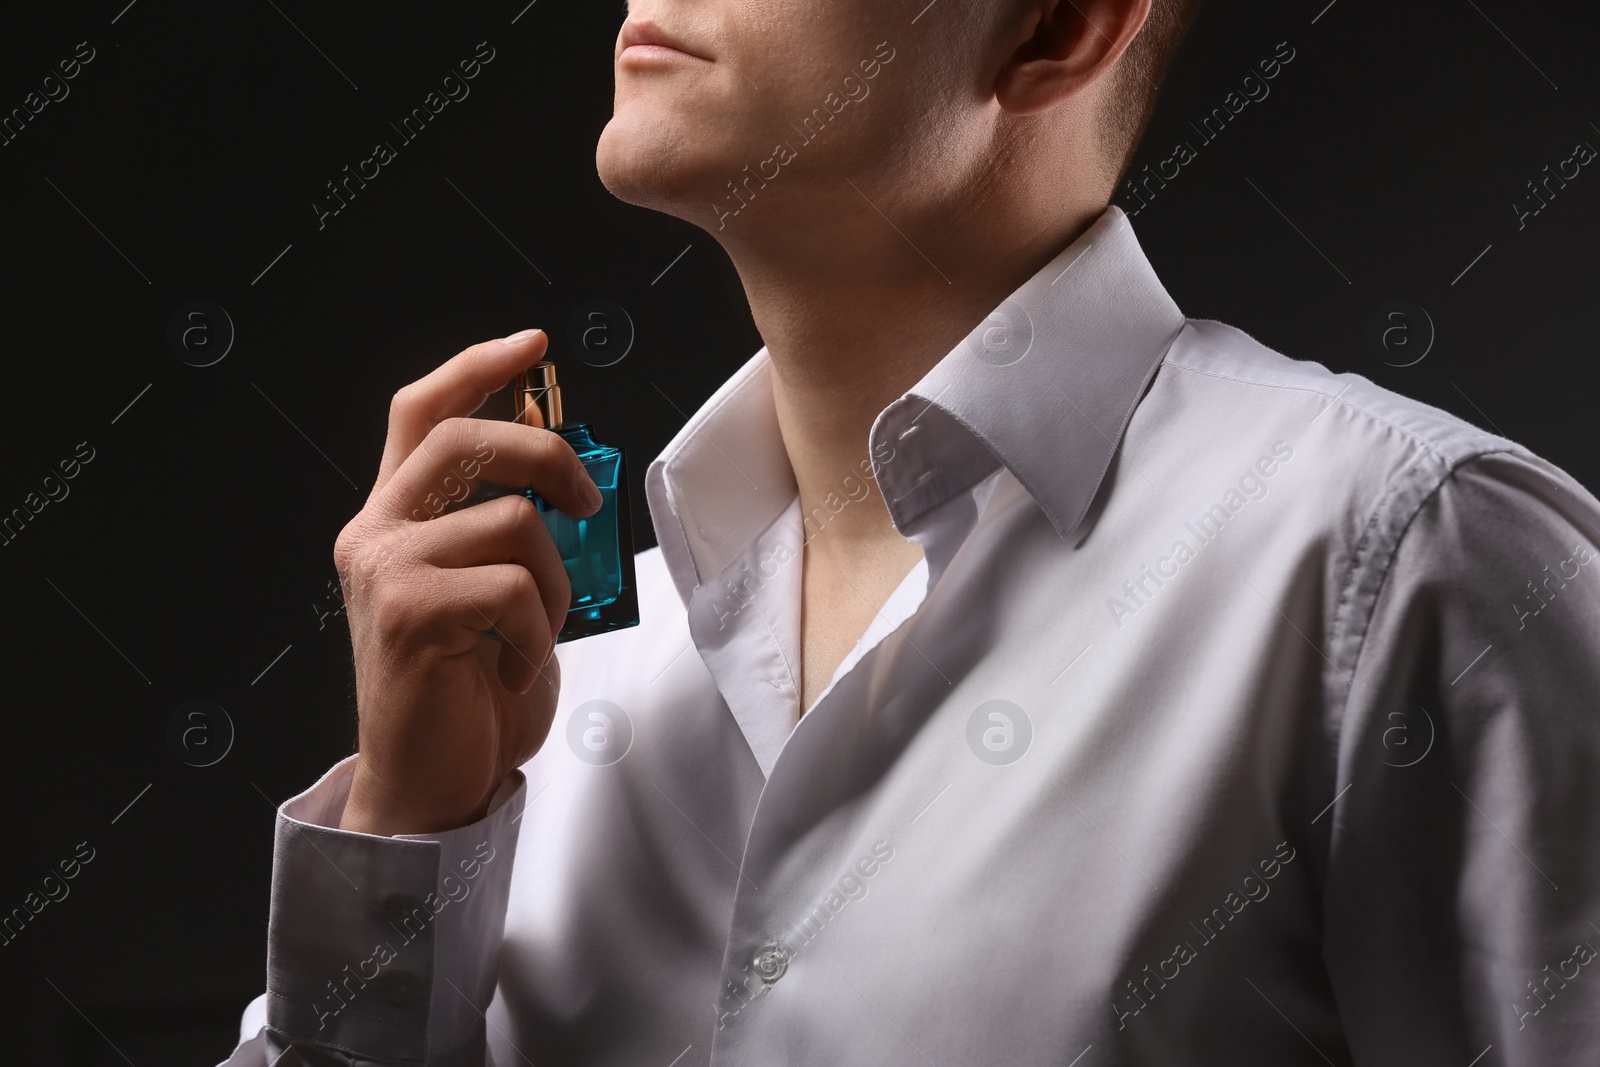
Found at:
<point>598,550</point>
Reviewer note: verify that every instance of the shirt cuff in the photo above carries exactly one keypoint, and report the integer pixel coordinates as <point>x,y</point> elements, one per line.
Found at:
<point>387,947</point>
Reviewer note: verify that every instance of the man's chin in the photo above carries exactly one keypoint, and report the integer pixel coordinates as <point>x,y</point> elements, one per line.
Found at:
<point>650,170</point>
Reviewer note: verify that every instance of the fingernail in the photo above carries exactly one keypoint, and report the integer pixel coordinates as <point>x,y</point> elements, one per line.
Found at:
<point>588,492</point>
<point>519,336</point>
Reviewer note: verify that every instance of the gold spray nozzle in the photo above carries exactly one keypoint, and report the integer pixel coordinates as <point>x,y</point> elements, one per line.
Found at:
<point>538,397</point>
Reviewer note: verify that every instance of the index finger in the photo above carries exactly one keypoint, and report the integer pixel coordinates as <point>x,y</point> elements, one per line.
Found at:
<point>457,388</point>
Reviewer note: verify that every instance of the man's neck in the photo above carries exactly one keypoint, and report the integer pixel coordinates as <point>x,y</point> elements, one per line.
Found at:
<point>849,336</point>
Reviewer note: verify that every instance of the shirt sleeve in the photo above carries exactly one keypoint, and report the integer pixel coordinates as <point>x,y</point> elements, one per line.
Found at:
<point>381,950</point>
<point>1462,883</point>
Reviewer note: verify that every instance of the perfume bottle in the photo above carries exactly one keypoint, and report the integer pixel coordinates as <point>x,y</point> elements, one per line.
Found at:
<point>598,550</point>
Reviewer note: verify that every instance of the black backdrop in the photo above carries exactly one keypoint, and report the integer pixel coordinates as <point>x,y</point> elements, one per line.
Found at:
<point>190,558</point>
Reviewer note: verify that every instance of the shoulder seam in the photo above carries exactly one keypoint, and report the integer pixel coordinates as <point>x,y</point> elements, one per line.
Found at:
<point>1410,434</point>
<point>1374,563</point>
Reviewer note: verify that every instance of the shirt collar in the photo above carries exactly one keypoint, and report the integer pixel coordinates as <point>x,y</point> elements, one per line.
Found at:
<point>1045,387</point>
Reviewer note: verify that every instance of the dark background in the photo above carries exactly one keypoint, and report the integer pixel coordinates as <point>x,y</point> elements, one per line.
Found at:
<point>192,558</point>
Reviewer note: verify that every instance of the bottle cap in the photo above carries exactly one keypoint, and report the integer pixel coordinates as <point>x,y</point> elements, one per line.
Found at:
<point>538,398</point>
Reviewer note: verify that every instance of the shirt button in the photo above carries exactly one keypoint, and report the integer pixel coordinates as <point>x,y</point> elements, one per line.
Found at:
<point>770,962</point>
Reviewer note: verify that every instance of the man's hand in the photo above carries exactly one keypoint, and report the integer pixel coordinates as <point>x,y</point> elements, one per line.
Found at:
<point>446,711</point>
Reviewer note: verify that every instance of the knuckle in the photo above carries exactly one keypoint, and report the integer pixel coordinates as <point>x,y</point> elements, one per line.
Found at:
<point>343,551</point>
<point>404,399</point>
<point>365,561</point>
<point>445,429</point>
<point>521,586</point>
<point>522,596</point>
<point>347,546</point>
<point>553,456</point>
<point>449,436</point>
<point>393,604</point>
<point>554,444</point>
<point>519,509</point>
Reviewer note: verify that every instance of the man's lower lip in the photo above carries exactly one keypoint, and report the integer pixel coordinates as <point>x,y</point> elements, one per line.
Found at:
<point>652,52</point>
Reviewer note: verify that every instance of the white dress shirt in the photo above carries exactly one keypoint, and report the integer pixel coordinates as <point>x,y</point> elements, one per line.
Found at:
<point>1238,712</point>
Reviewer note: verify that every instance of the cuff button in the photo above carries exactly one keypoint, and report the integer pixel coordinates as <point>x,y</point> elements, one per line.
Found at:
<point>403,989</point>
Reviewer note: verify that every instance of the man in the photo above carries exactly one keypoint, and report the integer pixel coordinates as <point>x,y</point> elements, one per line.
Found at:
<point>1026,674</point>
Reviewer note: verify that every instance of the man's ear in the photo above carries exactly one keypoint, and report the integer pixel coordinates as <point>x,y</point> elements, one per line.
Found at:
<point>1062,46</point>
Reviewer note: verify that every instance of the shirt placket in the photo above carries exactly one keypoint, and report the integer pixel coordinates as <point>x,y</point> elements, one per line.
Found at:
<point>799,791</point>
